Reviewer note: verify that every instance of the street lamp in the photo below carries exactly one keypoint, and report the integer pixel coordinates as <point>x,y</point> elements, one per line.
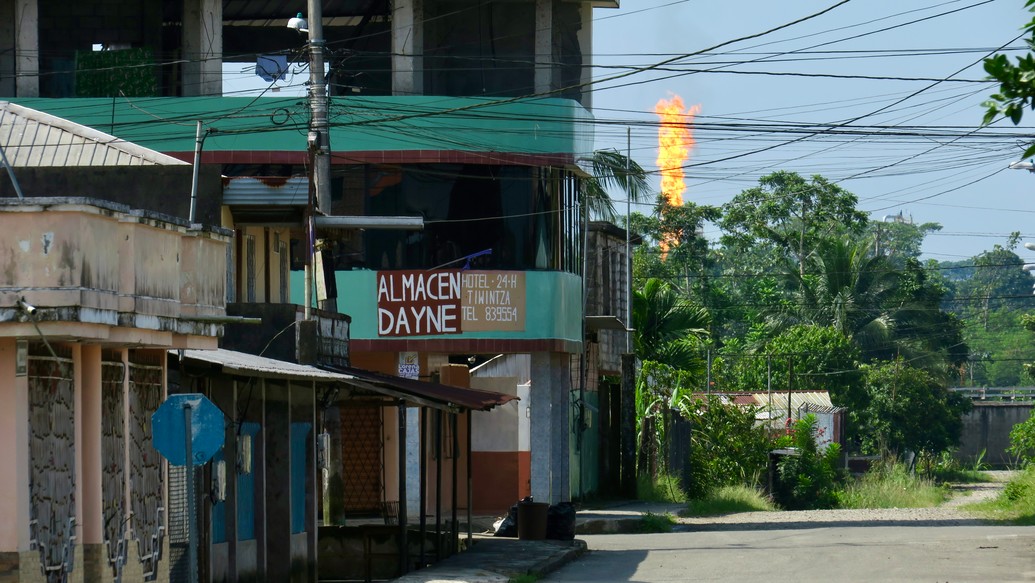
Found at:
<point>1022,165</point>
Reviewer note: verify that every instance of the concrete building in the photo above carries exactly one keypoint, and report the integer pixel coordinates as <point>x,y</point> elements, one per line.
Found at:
<point>480,134</point>
<point>92,295</point>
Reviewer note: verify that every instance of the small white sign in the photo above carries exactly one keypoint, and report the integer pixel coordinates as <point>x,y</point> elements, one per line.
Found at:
<point>21,358</point>
<point>409,365</point>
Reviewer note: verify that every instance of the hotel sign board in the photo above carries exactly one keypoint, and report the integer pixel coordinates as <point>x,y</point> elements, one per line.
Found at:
<point>430,303</point>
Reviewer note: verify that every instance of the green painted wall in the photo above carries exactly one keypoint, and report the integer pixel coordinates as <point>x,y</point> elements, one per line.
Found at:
<point>553,307</point>
<point>392,123</point>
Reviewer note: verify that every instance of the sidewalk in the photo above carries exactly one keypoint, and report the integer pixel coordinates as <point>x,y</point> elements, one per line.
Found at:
<point>498,560</point>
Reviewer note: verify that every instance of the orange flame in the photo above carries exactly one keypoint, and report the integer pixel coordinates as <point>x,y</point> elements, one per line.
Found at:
<point>675,138</point>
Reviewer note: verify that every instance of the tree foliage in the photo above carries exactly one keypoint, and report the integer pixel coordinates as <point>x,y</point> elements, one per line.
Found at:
<point>1016,83</point>
<point>791,214</point>
<point>668,328</point>
<point>612,169</point>
<point>909,410</point>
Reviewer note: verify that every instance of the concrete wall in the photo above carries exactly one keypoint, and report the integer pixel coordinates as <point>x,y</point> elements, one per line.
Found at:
<point>987,428</point>
<point>95,270</point>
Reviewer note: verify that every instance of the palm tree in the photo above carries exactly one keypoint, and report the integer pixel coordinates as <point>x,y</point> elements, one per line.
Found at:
<point>667,328</point>
<point>612,169</point>
<point>870,301</point>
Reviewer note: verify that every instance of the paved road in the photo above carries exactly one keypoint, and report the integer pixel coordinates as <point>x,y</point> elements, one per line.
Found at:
<point>800,552</point>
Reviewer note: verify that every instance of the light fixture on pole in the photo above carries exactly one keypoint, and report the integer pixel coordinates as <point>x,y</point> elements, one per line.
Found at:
<point>1022,165</point>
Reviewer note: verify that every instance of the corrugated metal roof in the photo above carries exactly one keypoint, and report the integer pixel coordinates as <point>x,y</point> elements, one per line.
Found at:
<point>798,399</point>
<point>266,191</point>
<point>474,399</point>
<point>32,138</point>
<point>251,365</point>
<point>429,394</point>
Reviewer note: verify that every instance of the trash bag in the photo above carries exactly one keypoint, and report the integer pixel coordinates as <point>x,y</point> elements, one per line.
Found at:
<point>509,525</point>
<point>560,521</point>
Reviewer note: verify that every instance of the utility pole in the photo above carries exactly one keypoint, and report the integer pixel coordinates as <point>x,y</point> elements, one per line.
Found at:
<point>319,128</point>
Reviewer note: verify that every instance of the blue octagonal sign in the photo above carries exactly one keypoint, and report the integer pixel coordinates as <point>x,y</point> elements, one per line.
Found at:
<point>169,428</point>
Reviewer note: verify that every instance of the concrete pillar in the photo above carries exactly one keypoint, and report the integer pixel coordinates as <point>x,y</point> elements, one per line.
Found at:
<point>408,47</point>
<point>202,47</point>
<point>413,449</point>
<point>14,455</point>
<point>27,48</point>
<point>543,46</point>
<point>549,427</point>
<point>90,466</point>
<point>7,39</point>
<point>586,46</point>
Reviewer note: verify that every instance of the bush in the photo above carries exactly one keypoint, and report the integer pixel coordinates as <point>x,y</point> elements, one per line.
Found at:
<point>811,478</point>
<point>726,447</point>
<point>1022,441</point>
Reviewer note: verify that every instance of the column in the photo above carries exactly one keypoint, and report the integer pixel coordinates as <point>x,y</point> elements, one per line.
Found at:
<point>543,46</point>
<point>202,47</point>
<point>27,48</point>
<point>549,427</point>
<point>408,47</point>
<point>90,465</point>
<point>14,458</point>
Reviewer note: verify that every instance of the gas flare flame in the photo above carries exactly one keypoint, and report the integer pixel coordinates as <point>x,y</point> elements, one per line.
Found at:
<point>675,139</point>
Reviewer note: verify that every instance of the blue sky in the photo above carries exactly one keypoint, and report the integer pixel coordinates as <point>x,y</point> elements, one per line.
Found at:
<point>906,143</point>
<point>911,148</point>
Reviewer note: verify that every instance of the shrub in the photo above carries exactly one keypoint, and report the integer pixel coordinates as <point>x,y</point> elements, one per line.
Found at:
<point>811,478</point>
<point>1022,441</point>
<point>726,447</point>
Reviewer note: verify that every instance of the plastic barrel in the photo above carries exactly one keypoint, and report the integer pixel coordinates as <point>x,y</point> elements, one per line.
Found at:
<point>532,520</point>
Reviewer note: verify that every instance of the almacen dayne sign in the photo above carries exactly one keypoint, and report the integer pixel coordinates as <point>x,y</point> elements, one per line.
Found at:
<point>429,303</point>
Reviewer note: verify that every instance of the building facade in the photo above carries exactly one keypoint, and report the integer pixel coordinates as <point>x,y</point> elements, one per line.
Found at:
<point>474,118</point>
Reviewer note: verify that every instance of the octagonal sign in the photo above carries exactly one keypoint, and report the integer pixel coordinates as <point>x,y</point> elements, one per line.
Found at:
<point>169,428</point>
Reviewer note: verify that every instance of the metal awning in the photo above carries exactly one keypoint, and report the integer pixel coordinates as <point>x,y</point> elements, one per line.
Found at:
<point>455,397</point>
<point>428,394</point>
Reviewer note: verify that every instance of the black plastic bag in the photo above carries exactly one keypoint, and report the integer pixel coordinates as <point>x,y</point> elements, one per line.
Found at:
<point>509,525</point>
<point>560,521</point>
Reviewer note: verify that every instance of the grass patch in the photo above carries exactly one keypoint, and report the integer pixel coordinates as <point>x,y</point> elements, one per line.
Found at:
<point>1015,504</point>
<point>945,468</point>
<point>526,578</point>
<point>651,522</point>
<point>892,486</point>
<point>729,500</point>
<point>664,489</point>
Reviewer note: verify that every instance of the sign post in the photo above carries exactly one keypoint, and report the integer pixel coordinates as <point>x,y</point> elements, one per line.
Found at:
<point>188,430</point>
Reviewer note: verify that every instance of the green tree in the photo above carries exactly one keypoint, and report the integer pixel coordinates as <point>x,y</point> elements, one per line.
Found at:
<point>899,238</point>
<point>887,311</point>
<point>791,215</point>
<point>667,327</point>
<point>909,410</point>
<point>848,289</point>
<point>1016,83</point>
